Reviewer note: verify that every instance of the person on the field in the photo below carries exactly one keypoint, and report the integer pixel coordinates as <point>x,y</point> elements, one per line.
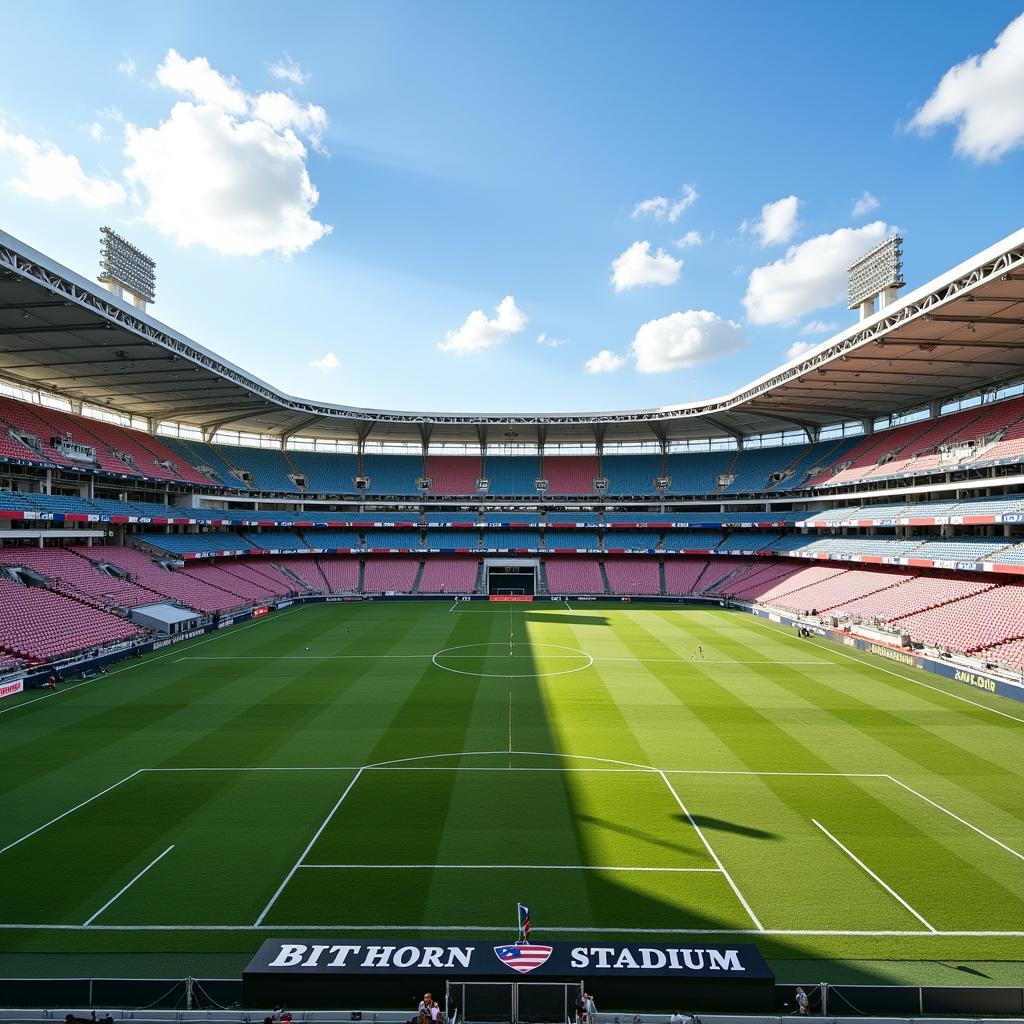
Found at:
<point>803,1004</point>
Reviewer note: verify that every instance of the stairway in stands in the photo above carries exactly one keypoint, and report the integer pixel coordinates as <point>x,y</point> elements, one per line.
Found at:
<point>604,578</point>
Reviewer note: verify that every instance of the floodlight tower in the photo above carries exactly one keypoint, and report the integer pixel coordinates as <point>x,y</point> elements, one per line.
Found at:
<point>878,274</point>
<point>125,270</point>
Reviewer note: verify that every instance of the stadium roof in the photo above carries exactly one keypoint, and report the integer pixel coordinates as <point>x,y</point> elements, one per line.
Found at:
<point>961,333</point>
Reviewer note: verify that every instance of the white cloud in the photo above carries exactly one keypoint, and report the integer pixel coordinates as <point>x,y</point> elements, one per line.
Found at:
<point>606,361</point>
<point>289,70</point>
<point>799,348</point>
<point>982,97</point>
<point>543,339</point>
<point>778,223</point>
<point>867,203</point>
<point>684,339</point>
<point>662,208</point>
<point>478,332</point>
<point>812,275</point>
<point>326,363</point>
<point>819,327</point>
<point>636,267</point>
<point>281,111</point>
<point>689,240</point>
<point>96,132</point>
<point>228,170</point>
<point>197,79</point>
<point>127,66</point>
<point>46,172</point>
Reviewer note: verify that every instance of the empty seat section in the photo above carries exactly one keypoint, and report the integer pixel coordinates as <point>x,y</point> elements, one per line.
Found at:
<point>39,624</point>
<point>207,461</point>
<point>448,576</point>
<point>196,543</point>
<point>384,575</point>
<point>682,574</point>
<point>341,573</point>
<point>570,474</point>
<point>849,585</point>
<point>719,576</point>
<point>142,569</point>
<point>691,540</point>
<point>512,475</point>
<point>326,472</point>
<point>748,540</point>
<point>452,540</point>
<point>504,540</point>
<point>328,540</point>
<point>280,540</point>
<point>916,594</point>
<point>399,540</point>
<point>697,472</point>
<point>754,467</point>
<point>631,474</point>
<point>810,468</point>
<point>574,576</point>
<point>629,540</point>
<point>571,539</point>
<point>268,469</point>
<point>453,474</point>
<point>633,575</point>
<point>971,622</point>
<point>393,474</point>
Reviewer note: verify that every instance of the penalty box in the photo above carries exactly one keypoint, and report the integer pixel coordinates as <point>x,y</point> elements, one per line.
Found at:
<point>589,847</point>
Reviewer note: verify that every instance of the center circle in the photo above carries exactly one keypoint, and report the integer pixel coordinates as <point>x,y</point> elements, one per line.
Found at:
<point>495,652</point>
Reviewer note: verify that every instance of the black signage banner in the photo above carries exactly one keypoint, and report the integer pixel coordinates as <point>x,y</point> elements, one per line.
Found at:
<point>363,957</point>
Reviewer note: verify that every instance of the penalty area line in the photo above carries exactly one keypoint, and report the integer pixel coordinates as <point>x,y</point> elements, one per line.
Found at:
<point>309,846</point>
<point>122,891</point>
<point>710,849</point>
<point>892,892</point>
<point>506,867</point>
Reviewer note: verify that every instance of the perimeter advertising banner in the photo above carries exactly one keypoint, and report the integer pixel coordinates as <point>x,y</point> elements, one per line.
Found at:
<point>509,961</point>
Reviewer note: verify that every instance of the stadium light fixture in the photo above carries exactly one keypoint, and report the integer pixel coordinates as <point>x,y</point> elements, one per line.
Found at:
<point>126,270</point>
<point>876,274</point>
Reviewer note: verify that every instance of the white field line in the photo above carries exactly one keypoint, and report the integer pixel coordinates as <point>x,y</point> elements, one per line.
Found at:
<point>892,892</point>
<point>711,851</point>
<point>309,846</point>
<point>503,929</point>
<point>567,605</point>
<point>53,821</point>
<point>121,892</point>
<point>143,661</point>
<point>477,657</point>
<point>455,604</point>
<point>832,649</point>
<point>506,867</point>
<point>956,817</point>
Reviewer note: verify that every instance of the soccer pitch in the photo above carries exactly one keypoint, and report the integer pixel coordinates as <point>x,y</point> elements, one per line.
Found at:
<point>418,768</point>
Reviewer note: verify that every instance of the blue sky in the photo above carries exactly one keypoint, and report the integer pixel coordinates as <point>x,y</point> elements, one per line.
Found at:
<point>511,159</point>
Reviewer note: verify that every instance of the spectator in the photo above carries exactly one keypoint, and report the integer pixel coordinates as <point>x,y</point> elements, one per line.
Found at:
<point>591,1008</point>
<point>581,1008</point>
<point>802,1002</point>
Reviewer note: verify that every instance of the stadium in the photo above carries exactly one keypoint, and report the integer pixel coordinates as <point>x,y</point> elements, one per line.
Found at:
<point>306,707</point>
<point>629,651</point>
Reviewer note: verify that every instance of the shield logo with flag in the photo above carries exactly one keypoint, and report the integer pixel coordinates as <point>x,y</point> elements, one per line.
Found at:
<point>523,957</point>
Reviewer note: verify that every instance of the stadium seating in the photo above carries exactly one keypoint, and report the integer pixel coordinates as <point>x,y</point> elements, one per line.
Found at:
<point>1009,653</point>
<point>571,539</point>
<point>207,461</point>
<point>633,575</point>
<point>916,594</point>
<point>971,622</point>
<point>452,540</point>
<point>287,540</point>
<point>340,573</point>
<point>511,540</point>
<point>692,540</point>
<point>754,467</point>
<point>142,569</point>
<point>196,543</point>
<point>71,574</point>
<point>405,540</point>
<point>390,575</point>
<point>393,474</point>
<point>697,473</point>
<point>326,472</point>
<point>39,624</point>
<point>631,474</point>
<point>684,575</point>
<point>631,540</point>
<point>512,476</point>
<point>448,576</point>
<point>570,474</point>
<point>574,576</point>
<point>454,474</point>
<point>267,468</point>
<point>808,468</point>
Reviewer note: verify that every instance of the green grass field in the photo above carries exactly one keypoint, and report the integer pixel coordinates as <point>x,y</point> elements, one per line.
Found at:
<point>347,768</point>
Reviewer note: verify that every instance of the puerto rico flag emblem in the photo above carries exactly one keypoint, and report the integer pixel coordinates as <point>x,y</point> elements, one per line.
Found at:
<point>524,956</point>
